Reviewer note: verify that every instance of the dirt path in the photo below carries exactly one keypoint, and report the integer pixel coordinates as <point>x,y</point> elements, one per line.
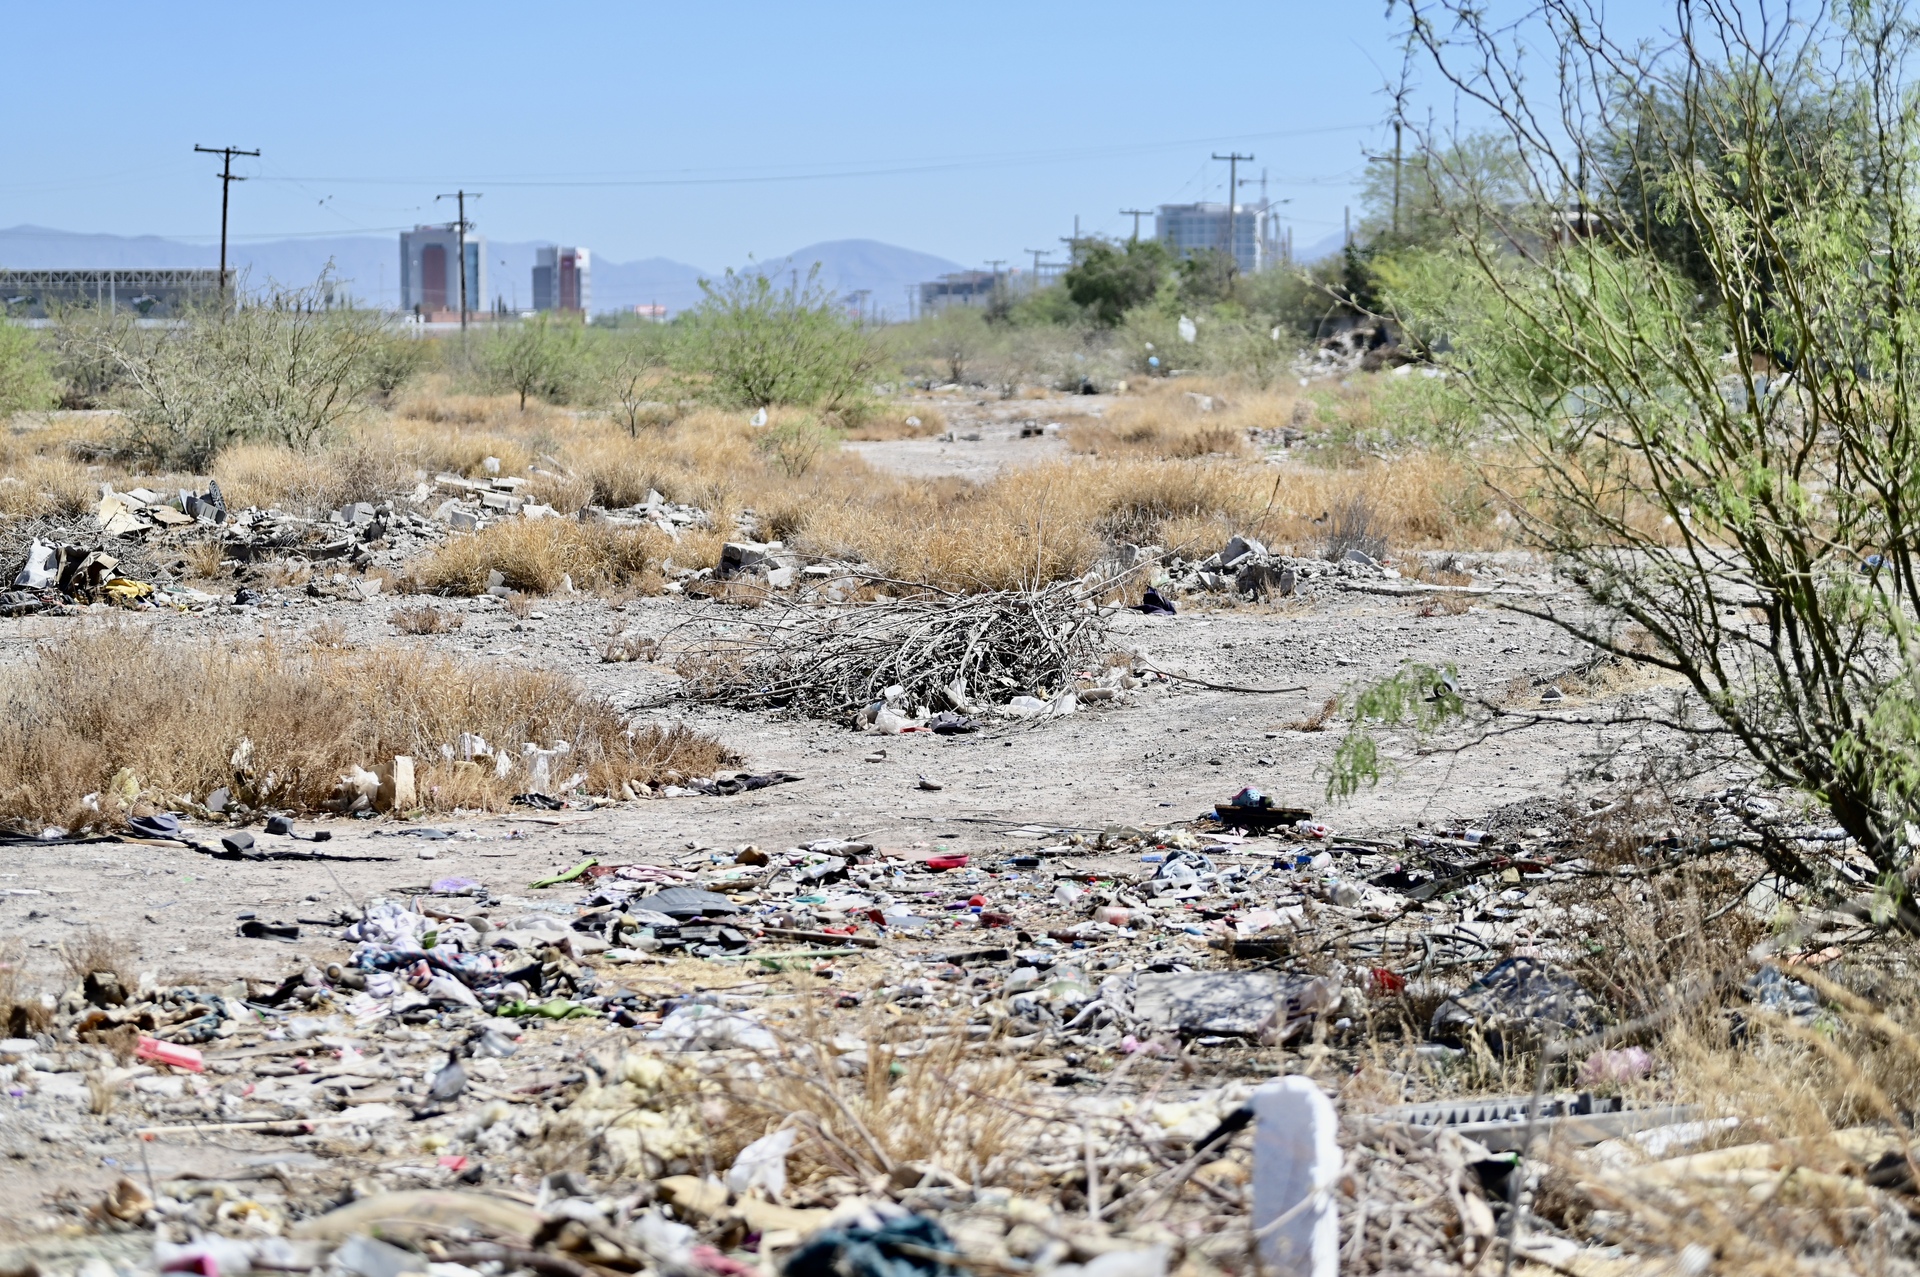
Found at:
<point>985,436</point>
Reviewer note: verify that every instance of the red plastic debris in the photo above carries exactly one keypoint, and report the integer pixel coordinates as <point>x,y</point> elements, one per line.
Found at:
<point>946,862</point>
<point>180,1057</point>
<point>1386,983</point>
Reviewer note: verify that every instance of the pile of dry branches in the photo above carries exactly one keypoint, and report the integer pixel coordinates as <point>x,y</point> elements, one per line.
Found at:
<point>948,651</point>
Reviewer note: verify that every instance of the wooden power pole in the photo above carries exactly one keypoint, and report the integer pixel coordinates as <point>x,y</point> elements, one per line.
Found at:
<point>227,179</point>
<point>1233,159</point>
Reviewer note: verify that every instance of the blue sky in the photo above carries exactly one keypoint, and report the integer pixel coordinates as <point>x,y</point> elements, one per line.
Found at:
<point>973,131</point>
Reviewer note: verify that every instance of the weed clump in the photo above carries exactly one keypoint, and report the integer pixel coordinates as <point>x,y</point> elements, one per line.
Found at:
<point>279,727</point>
<point>540,556</point>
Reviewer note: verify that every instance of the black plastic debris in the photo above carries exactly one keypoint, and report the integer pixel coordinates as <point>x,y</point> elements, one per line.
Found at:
<point>1514,1005</point>
<point>688,902</point>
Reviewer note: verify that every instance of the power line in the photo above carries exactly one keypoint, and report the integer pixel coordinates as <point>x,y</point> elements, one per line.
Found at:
<point>227,179</point>
<point>825,174</point>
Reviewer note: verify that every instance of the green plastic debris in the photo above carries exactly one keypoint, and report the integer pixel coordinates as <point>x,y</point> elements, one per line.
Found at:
<point>557,1009</point>
<point>572,875</point>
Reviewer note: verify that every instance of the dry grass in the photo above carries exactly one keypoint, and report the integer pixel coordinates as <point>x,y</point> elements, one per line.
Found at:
<point>35,486</point>
<point>1164,424</point>
<point>895,421</point>
<point>1158,471</point>
<point>924,1101</point>
<point>110,698</point>
<point>424,619</point>
<point>539,556</point>
<point>359,468</point>
<point>203,559</point>
<point>566,493</point>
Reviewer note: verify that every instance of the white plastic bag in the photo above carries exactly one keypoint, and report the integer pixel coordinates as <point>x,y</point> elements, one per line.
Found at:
<point>763,1165</point>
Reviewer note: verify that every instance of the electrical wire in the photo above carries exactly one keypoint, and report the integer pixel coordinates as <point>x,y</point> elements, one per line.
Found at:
<point>825,173</point>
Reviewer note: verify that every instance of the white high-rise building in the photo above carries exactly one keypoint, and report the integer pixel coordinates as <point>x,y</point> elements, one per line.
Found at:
<point>562,279</point>
<point>428,283</point>
<point>1192,228</point>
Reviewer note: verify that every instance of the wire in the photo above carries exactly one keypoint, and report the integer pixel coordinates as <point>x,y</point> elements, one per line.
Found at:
<point>826,174</point>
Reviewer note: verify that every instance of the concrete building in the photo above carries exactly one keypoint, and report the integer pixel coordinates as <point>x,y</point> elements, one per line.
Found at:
<point>428,284</point>
<point>1192,228</point>
<point>562,279</point>
<point>962,288</point>
<point>152,294</point>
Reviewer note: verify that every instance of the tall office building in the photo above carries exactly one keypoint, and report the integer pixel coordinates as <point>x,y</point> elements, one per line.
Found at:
<point>562,279</point>
<point>427,264</point>
<point>1191,228</point>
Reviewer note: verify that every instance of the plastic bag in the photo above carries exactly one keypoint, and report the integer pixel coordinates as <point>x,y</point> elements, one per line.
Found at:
<point>763,1165</point>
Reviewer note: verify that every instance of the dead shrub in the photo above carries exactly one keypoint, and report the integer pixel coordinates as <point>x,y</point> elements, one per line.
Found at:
<point>538,556</point>
<point>328,636</point>
<point>1319,719</point>
<point>22,1013</point>
<point>110,698</point>
<point>204,560</point>
<point>1354,527</point>
<point>425,620</point>
<point>97,957</point>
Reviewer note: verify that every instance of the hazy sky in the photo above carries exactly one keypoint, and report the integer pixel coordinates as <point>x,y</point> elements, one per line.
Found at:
<point>974,131</point>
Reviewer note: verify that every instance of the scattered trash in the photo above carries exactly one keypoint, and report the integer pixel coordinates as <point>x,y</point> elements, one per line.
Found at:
<point>1515,1004</point>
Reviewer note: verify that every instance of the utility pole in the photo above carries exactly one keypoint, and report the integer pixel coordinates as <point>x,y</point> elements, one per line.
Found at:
<point>1038,253</point>
<point>1233,159</point>
<point>461,228</point>
<point>1073,245</point>
<point>994,264</point>
<point>227,179</point>
<point>1136,214</point>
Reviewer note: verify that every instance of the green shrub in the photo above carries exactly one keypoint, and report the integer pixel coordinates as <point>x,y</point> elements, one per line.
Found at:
<point>755,346</point>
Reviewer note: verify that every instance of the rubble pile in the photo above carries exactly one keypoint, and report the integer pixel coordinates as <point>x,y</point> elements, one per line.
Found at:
<point>1246,567</point>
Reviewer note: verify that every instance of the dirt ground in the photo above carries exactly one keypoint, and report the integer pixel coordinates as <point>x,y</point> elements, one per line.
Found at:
<point>1165,754</point>
<point>1160,755</point>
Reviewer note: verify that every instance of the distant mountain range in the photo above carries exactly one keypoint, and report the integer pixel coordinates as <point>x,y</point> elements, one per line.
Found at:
<point>370,267</point>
